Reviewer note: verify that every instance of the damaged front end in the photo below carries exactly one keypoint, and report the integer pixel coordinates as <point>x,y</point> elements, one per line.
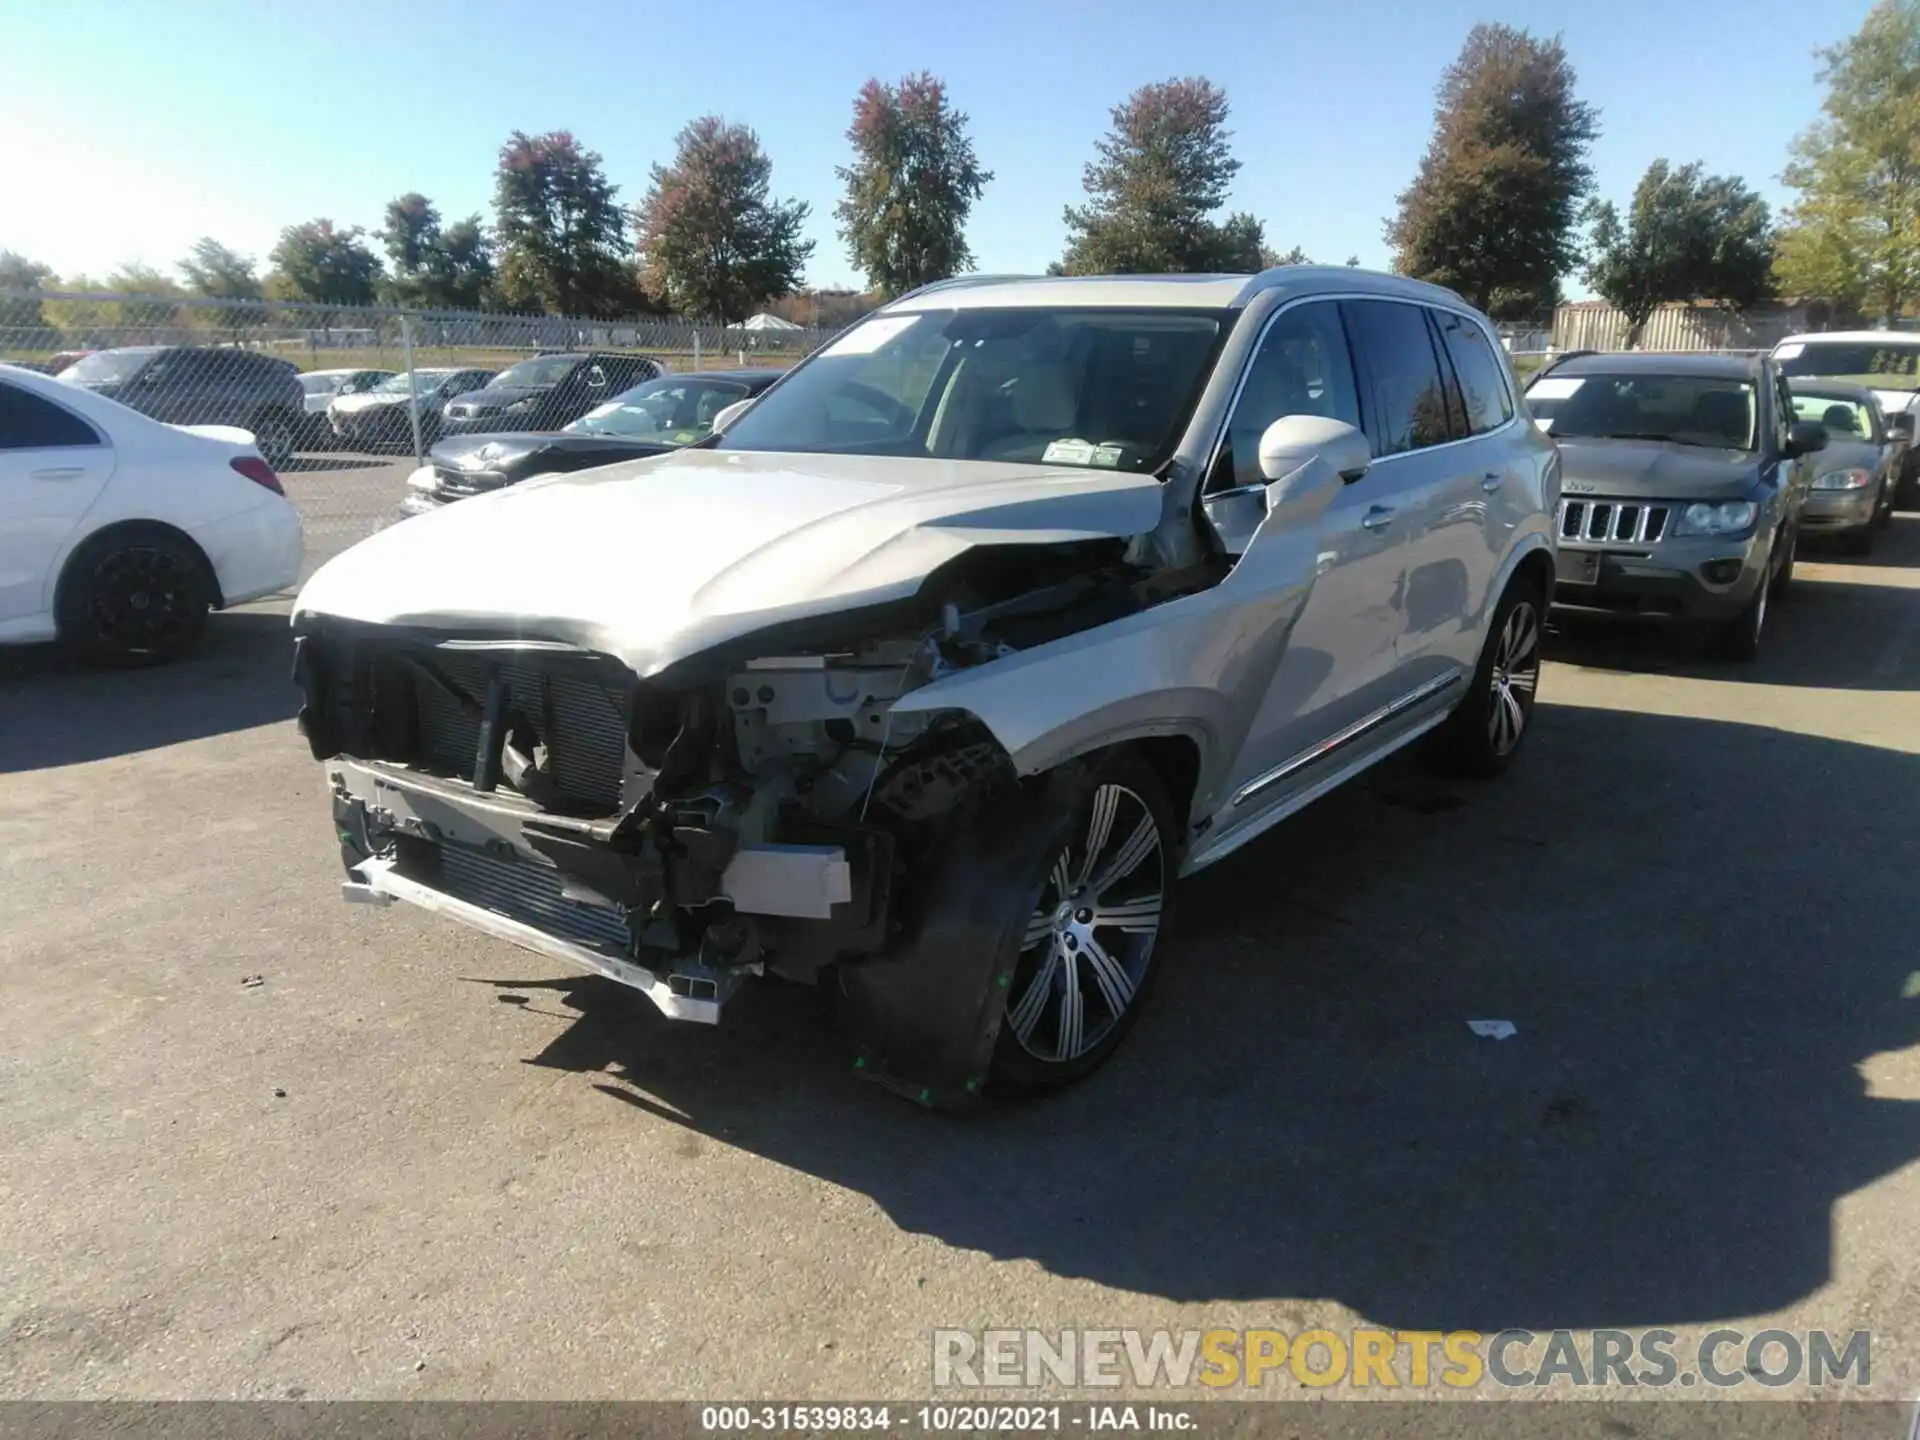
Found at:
<point>739,814</point>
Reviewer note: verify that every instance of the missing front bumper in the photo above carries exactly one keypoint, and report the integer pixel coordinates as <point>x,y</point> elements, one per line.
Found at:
<point>678,994</point>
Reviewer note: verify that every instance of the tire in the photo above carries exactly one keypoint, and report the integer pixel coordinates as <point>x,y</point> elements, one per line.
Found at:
<point>1078,984</point>
<point>1782,582</point>
<point>1883,512</point>
<point>137,596</point>
<point>1739,638</point>
<point>1485,731</point>
<point>274,437</point>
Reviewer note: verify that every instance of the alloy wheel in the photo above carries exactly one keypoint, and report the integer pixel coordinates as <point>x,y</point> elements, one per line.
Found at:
<point>1089,942</point>
<point>143,598</point>
<point>1516,675</point>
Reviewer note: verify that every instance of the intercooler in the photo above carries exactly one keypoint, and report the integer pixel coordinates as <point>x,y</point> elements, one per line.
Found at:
<point>528,891</point>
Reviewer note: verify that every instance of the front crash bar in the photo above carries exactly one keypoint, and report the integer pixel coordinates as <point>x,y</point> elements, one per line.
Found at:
<point>379,883</point>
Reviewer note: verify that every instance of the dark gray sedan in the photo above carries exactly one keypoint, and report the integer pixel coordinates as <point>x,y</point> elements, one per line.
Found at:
<point>1854,477</point>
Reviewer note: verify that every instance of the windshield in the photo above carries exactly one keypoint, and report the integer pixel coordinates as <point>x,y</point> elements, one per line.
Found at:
<point>397,384</point>
<point>108,367</point>
<point>668,411</point>
<point>528,374</point>
<point>323,384</point>
<point>1711,411</point>
<point>1844,419</point>
<point>1105,388</point>
<point>1877,364</point>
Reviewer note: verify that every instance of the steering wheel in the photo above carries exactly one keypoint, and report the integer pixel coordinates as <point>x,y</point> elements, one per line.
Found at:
<point>897,415</point>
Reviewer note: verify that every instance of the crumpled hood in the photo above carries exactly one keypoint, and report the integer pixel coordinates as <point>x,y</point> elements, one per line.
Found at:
<point>656,560</point>
<point>1654,470</point>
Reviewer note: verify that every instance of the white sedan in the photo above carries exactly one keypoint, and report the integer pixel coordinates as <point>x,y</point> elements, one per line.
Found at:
<point>118,533</point>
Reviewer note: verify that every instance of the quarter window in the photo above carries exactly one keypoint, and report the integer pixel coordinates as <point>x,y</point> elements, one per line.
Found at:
<point>1303,368</point>
<point>28,422</point>
<point>1395,351</point>
<point>1483,379</point>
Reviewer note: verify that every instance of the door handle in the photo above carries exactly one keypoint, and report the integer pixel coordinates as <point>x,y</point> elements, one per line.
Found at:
<point>1490,482</point>
<point>1378,518</point>
<point>64,472</point>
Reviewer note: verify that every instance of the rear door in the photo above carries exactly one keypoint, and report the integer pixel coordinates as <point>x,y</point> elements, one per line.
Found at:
<point>53,465</point>
<point>1469,500</point>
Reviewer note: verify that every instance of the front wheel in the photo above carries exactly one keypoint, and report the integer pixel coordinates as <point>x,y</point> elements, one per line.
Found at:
<point>1739,638</point>
<point>1484,733</point>
<point>1086,955</point>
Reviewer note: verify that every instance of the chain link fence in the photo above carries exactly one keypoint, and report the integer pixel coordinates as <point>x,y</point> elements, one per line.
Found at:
<point>345,401</point>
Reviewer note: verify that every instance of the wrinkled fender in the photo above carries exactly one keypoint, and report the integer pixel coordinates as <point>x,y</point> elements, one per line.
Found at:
<point>1198,666</point>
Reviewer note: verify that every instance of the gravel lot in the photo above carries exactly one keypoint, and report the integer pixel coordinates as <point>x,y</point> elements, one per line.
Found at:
<point>413,1162</point>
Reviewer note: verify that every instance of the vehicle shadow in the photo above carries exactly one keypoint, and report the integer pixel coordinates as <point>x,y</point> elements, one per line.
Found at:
<point>55,712</point>
<point>1304,1111</point>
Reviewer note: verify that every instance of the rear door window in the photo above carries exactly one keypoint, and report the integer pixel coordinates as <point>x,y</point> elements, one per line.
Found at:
<point>1395,355</point>
<point>30,422</point>
<point>1483,379</point>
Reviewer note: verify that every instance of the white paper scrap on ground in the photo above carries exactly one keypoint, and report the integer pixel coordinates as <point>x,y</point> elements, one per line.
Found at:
<point>1492,1029</point>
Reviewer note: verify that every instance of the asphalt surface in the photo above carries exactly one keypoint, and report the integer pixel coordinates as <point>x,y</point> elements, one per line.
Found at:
<point>343,497</point>
<point>258,1143</point>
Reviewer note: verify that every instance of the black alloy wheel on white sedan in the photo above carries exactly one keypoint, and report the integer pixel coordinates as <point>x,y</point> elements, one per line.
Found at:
<point>1086,958</point>
<point>136,596</point>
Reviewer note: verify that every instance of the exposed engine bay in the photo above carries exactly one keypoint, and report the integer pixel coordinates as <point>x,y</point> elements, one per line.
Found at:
<point>758,810</point>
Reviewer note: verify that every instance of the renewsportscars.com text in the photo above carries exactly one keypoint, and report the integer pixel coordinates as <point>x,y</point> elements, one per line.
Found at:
<point>1397,1359</point>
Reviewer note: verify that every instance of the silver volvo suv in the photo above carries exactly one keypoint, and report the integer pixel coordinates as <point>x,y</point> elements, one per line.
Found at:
<point>931,671</point>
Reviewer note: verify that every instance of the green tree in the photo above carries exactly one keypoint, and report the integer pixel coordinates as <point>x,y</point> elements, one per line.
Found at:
<point>911,186</point>
<point>1853,236</point>
<point>321,263</point>
<point>1353,262</point>
<point>212,270</point>
<point>144,313</point>
<point>1493,210</point>
<point>1159,175</point>
<point>561,234</point>
<point>1270,258</point>
<point>448,267</point>
<point>713,242</point>
<point>22,312</point>
<point>1687,236</point>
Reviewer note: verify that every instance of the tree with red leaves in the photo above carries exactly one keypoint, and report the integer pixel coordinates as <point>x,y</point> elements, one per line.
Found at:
<point>911,186</point>
<point>1162,171</point>
<point>713,243</point>
<point>562,236</point>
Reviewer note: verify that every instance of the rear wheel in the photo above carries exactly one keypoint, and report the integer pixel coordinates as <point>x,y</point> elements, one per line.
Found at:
<point>273,434</point>
<point>135,597</point>
<point>1484,733</point>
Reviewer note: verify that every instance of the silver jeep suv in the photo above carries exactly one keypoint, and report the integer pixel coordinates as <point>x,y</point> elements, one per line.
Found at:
<point>926,676</point>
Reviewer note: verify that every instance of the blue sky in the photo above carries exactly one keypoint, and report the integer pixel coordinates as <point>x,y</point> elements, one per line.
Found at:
<point>130,128</point>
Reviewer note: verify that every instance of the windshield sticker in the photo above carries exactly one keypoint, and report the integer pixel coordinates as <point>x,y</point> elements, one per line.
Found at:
<point>1081,452</point>
<point>1788,352</point>
<point>1554,387</point>
<point>870,336</point>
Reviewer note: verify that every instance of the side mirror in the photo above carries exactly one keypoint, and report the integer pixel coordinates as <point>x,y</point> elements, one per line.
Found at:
<point>729,414</point>
<point>1293,441</point>
<point>1900,426</point>
<point>1805,437</point>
